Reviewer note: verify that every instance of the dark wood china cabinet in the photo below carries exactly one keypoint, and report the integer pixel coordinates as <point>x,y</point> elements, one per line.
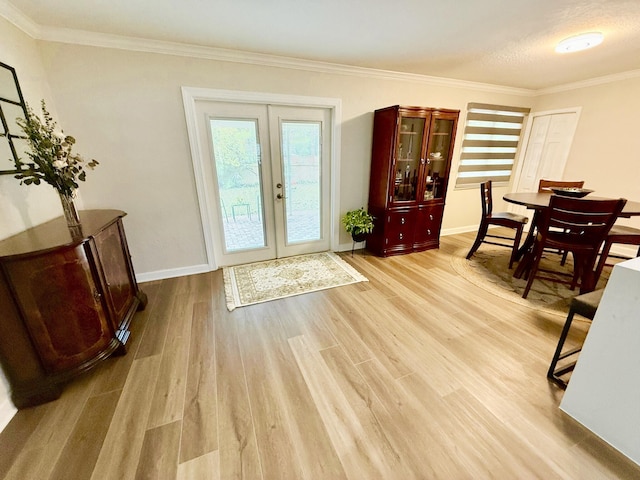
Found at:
<point>410,164</point>
<point>65,303</point>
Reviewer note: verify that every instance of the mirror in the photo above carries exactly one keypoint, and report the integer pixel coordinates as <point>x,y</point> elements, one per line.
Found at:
<point>13,144</point>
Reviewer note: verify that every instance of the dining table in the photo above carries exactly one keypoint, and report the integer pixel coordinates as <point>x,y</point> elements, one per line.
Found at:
<point>539,201</point>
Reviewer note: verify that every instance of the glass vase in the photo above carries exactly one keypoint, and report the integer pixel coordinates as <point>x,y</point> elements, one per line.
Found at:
<point>71,215</point>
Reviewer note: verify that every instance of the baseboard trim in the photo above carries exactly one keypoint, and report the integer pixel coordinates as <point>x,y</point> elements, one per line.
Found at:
<point>172,273</point>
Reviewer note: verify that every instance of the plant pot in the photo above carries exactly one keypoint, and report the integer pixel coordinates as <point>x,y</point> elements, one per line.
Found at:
<point>359,237</point>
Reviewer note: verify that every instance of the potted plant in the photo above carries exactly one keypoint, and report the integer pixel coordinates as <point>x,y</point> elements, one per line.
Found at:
<point>358,223</point>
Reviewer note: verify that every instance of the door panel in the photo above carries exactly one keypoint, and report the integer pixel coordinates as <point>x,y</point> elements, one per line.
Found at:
<point>547,150</point>
<point>300,145</point>
<point>267,181</point>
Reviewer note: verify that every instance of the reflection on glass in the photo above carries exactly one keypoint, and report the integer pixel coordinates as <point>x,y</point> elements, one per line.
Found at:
<point>408,153</point>
<point>301,160</point>
<point>237,161</point>
<point>437,155</point>
<point>8,88</point>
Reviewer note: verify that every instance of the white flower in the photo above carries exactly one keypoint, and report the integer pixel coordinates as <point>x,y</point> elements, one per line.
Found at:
<point>59,164</point>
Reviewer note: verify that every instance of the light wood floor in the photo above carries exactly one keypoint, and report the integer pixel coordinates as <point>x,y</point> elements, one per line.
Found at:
<point>414,374</point>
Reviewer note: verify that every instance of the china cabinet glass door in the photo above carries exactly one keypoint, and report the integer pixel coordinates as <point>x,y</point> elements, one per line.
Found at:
<point>435,178</point>
<point>408,159</point>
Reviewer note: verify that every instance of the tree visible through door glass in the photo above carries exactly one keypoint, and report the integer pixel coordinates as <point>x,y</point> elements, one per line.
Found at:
<point>237,162</point>
<point>301,155</point>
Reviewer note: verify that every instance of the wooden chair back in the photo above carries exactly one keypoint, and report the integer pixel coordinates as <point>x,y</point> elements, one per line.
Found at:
<point>547,185</point>
<point>579,222</point>
<point>486,198</point>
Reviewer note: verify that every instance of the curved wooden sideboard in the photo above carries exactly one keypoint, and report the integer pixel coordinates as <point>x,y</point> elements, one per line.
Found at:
<point>65,303</point>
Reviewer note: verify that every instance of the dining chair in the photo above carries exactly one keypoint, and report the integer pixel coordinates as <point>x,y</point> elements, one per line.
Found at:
<point>548,186</point>
<point>575,225</point>
<point>619,234</point>
<point>502,219</point>
<point>586,306</point>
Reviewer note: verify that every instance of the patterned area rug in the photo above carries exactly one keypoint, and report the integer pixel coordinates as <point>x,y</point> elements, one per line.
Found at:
<point>489,270</point>
<point>264,281</point>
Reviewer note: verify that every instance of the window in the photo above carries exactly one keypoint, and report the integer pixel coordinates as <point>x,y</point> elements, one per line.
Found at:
<point>491,138</point>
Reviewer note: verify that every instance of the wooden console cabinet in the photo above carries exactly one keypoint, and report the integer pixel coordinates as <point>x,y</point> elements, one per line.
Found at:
<point>410,164</point>
<point>65,303</point>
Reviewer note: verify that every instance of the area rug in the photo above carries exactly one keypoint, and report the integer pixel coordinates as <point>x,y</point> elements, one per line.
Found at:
<point>264,281</point>
<point>489,270</point>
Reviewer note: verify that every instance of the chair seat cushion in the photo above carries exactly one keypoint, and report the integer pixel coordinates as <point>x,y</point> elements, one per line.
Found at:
<point>514,217</point>
<point>587,303</point>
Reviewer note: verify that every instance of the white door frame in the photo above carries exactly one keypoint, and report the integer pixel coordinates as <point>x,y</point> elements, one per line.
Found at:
<point>523,150</point>
<point>190,95</point>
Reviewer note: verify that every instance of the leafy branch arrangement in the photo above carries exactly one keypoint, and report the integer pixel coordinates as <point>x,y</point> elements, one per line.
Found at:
<point>52,159</point>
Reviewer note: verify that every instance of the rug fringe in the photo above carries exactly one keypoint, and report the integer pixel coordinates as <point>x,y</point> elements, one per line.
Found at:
<point>228,293</point>
<point>346,266</point>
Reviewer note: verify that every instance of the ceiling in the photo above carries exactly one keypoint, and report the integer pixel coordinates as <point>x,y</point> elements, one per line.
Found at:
<point>500,42</point>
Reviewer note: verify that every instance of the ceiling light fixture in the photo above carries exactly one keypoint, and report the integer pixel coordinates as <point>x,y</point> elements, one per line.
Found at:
<point>579,42</point>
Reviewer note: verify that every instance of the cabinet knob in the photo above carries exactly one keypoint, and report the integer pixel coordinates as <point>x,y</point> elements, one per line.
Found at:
<point>96,295</point>
<point>430,217</point>
<point>401,236</point>
<point>402,220</point>
<point>428,231</point>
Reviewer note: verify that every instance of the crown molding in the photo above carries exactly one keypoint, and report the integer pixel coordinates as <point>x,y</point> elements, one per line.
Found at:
<point>103,40</point>
<point>79,37</point>
<point>94,39</point>
<point>19,19</point>
<point>592,82</point>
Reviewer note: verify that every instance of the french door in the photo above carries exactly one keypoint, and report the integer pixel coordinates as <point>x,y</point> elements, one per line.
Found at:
<point>267,177</point>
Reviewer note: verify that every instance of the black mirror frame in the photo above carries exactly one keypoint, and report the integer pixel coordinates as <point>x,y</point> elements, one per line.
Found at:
<point>6,128</point>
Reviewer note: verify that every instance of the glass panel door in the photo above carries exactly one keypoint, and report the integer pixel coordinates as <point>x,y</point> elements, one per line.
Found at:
<point>268,180</point>
<point>437,155</point>
<point>300,155</point>
<point>236,154</point>
<point>234,137</point>
<point>302,180</point>
<point>408,155</point>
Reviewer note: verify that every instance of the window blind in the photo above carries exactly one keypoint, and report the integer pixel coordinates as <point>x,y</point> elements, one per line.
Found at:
<point>490,143</point>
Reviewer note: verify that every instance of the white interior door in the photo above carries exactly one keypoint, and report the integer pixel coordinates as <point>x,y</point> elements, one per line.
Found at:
<point>266,179</point>
<point>546,150</point>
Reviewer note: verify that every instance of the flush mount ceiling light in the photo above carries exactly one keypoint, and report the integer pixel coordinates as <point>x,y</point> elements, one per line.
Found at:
<point>579,42</point>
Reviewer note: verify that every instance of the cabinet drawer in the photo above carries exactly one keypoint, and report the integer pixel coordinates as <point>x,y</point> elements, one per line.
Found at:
<point>399,228</point>
<point>427,229</point>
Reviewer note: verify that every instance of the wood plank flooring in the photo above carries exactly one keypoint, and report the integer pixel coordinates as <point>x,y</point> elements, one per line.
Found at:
<point>416,374</point>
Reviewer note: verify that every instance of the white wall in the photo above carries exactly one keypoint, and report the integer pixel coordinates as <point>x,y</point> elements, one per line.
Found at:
<point>20,206</point>
<point>126,111</point>
<point>606,143</point>
<point>24,206</point>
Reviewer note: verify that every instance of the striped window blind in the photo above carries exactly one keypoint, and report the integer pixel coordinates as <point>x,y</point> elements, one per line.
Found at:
<point>490,143</point>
